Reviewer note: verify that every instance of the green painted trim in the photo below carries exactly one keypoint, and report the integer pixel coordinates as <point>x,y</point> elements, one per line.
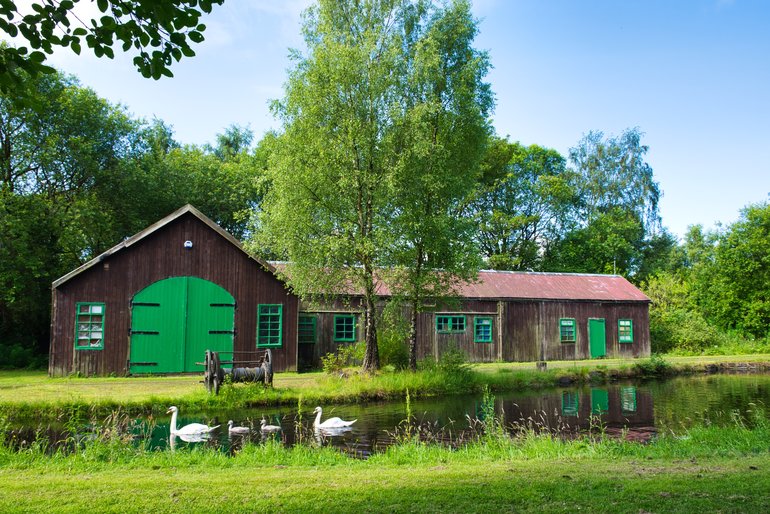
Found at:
<point>628,399</point>
<point>570,322</point>
<point>86,319</point>
<point>479,322</point>
<point>342,336</point>
<point>626,338</point>
<point>570,403</point>
<point>306,323</point>
<point>448,320</point>
<point>269,317</point>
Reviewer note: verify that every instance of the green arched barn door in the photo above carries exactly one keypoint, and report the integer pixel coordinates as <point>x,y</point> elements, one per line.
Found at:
<point>175,320</point>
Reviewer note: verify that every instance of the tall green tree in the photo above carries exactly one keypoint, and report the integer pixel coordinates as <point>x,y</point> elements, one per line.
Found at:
<point>364,175</point>
<point>326,209</point>
<point>618,208</point>
<point>52,161</point>
<point>733,286</point>
<point>523,205</point>
<point>438,136</point>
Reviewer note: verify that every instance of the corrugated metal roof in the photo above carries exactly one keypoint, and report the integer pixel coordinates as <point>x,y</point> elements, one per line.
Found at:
<point>552,286</point>
<point>493,285</point>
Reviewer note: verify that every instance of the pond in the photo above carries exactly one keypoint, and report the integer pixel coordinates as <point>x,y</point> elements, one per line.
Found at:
<point>635,411</point>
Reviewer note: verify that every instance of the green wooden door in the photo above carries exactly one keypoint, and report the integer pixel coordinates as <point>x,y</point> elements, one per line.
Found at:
<point>210,321</point>
<point>597,338</point>
<point>175,320</point>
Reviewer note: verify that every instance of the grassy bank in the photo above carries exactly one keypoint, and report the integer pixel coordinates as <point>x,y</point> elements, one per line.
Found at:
<point>27,394</point>
<point>709,470</point>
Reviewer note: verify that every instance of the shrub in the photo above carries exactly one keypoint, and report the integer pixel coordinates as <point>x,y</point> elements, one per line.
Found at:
<point>345,357</point>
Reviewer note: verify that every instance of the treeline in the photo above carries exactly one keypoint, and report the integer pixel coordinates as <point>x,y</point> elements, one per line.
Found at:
<point>712,294</point>
<point>78,175</point>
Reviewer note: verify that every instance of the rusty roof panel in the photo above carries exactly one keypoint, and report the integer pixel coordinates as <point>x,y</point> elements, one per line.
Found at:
<point>552,286</point>
<point>538,286</point>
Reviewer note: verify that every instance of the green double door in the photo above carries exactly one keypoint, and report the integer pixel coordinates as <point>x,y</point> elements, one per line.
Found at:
<point>175,320</point>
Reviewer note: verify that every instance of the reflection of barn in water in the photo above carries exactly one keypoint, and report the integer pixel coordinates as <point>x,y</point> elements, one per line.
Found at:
<point>614,410</point>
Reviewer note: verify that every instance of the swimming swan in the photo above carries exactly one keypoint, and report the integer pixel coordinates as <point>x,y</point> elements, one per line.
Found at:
<point>331,422</point>
<point>269,428</point>
<point>236,430</point>
<point>193,429</point>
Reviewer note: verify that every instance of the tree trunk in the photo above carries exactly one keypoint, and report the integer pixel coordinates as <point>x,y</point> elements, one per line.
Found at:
<point>372,355</point>
<point>413,338</point>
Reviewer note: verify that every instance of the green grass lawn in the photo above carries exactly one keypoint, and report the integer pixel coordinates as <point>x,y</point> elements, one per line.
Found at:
<point>712,485</point>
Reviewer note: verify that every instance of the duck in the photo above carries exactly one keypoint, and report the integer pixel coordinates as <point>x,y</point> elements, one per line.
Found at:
<point>193,429</point>
<point>236,430</point>
<point>269,428</point>
<point>331,422</point>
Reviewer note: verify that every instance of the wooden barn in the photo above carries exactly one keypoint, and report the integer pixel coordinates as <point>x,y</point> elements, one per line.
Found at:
<point>508,316</point>
<point>155,302</point>
<point>158,300</point>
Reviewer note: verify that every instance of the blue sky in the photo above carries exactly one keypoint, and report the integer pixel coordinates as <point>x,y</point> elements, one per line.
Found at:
<point>693,75</point>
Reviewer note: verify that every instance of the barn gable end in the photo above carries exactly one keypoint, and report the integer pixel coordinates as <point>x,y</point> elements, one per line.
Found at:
<point>187,246</point>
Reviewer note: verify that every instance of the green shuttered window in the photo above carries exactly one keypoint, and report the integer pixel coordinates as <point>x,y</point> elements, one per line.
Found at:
<point>306,330</point>
<point>269,325</point>
<point>625,331</point>
<point>89,326</point>
<point>344,328</point>
<point>450,324</point>
<point>482,330</point>
<point>567,330</point>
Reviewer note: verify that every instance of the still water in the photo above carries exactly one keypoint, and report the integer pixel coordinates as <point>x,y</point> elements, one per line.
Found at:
<point>632,410</point>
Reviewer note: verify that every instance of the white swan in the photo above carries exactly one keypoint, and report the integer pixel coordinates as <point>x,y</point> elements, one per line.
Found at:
<point>269,428</point>
<point>331,422</point>
<point>193,429</point>
<point>236,430</point>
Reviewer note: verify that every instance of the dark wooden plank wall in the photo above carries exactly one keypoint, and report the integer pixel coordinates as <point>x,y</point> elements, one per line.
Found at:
<point>432,344</point>
<point>531,329</point>
<point>325,334</point>
<point>162,255</point>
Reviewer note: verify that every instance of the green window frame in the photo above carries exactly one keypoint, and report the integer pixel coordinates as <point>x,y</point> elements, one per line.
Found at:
<point>482,330</point>
<point>306,329</point>
<point>89,325</point>
<point>625,331</point>
<point>567,330</point>
<point>269,325</point>
<point>451,324</point>
<point>345,328</point>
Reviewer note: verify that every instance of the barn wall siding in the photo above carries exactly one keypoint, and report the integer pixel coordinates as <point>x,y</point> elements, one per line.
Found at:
<point>161,255</point>
<point>529,330</point>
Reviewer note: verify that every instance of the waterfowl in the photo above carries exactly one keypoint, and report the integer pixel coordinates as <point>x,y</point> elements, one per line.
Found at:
<point>269,428</point>
<point>193,429</point>
<point>331,422</point>
<point>236,430</point>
